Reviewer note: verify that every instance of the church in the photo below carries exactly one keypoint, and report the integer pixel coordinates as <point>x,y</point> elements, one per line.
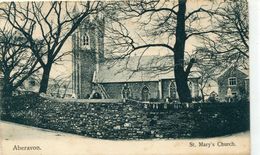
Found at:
<point>142,78</point>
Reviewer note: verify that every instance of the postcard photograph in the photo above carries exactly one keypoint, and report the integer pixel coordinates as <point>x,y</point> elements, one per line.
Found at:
<point>142,77</point>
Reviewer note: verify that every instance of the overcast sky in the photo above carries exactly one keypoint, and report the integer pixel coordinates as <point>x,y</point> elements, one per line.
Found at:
<point>134,30</point>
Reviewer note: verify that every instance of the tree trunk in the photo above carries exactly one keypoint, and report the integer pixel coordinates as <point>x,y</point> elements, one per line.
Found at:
<point>202,96</point>
<point>7,89</point>
<point>180,75</point>
<point>45,78</point>
<point>7,85</point>
<point>182,86</point>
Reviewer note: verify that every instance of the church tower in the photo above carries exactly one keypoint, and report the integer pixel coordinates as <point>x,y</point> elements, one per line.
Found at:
<point>88,53</point>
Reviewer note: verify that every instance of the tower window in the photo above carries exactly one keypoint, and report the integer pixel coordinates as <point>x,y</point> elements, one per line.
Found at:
<point>85,40</point>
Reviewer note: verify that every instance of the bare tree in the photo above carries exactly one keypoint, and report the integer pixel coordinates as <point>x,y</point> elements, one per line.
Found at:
<point>51,23</point>
<point>17,61</point>
<point>59,86</point>
<point>230,41</point>
<point>227,45</point>
<point>208,71</point>
<point>167,25</point>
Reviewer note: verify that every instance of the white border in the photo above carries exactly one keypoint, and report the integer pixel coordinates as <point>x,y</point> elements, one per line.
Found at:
<point>254,24</point>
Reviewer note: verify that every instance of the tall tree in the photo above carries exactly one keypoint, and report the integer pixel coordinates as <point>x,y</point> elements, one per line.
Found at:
<point>168,25</point>
<point>230,41</point>
<point>60,85</point>
<point>51,24</point>
<point>228,44</point>
<point>209,67</point>
<point>17,61</point>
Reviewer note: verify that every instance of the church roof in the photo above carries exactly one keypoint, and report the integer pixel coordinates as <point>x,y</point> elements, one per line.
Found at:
<point>137,69</point>
<point>245,71</point>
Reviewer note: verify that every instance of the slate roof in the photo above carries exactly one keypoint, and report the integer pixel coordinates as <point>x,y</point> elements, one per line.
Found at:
<point>245,71</point>
<point>137,69</point>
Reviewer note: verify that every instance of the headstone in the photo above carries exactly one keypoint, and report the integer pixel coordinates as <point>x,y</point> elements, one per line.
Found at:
<point>165,106</point>
<point>73,95</point>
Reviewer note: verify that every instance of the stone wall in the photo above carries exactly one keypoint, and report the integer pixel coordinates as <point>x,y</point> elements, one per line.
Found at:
<point>128,120</point>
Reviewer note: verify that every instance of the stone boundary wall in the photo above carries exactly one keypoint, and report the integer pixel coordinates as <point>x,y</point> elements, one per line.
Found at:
<point>129,120</point>
<point>82,100</point>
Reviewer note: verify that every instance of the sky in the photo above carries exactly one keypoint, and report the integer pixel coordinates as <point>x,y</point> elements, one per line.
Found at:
<point>65,67</point>
<point>133,28</point>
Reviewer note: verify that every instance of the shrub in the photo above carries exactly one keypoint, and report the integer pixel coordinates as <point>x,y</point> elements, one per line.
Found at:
<point>197,98</point>
<point>154,100</point>
<point>212,100</point>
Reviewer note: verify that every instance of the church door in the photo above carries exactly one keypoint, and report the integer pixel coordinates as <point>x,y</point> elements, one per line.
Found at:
<point>145,94</point>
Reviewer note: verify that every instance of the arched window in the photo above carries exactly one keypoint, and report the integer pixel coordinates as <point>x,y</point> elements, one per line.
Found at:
<point>145,94</point>
<point>85,40</point>
<point>173,90</point>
